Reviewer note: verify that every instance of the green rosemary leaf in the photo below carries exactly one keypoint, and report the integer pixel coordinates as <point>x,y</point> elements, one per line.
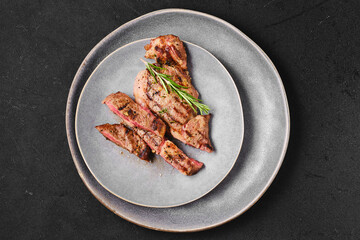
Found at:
<point>166,81</point>
<point>156,67</point>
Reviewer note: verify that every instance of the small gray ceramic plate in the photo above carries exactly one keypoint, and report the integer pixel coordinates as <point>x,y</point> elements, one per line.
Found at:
<point>156,183</point>
<point>265,110</point>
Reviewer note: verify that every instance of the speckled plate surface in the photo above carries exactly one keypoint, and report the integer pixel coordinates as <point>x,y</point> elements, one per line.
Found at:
<point>265,110</point>
<point>158,184</point>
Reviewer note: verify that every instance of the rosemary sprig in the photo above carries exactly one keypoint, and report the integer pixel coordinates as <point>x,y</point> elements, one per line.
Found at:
<point>166,81</point>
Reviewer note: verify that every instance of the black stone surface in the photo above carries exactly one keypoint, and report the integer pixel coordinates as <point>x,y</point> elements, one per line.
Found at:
<point>314,44</point>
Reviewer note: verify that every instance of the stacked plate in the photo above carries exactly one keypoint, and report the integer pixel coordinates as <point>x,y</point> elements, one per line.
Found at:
<point>249,128</point>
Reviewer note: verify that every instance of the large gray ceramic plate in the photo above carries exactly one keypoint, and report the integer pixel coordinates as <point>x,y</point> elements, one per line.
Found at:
<point>158,184</point>
<point>265,109</point>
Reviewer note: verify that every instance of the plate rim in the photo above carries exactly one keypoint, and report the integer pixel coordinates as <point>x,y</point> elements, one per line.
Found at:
<point>211,188</point>
<point>72,94</point>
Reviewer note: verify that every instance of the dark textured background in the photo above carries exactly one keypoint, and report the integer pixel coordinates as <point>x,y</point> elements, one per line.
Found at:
<point>314,44</point>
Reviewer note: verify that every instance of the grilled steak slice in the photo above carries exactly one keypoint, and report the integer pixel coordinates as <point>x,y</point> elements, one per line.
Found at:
<point>168,49</point>
<point>196,133</point>
<point>125,138</point>
<point>168,150</point>
<point>184,124</point>
<point>168,106</point>
<point>122,105</point>
<point>154,141</point>
<point>174,156</point>
<point>144,81</point>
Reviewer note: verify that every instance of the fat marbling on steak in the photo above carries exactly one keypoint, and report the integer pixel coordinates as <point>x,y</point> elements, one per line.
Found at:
<point>125,138</point>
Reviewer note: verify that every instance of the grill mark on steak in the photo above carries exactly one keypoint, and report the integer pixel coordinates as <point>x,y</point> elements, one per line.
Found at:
<point>155,93</point>
<point>149,96</point>
<point>177,158</point>
<point>125,138</point>
<point>122,107</point>
<point>134,113</point>
<point>155,125</point>
<point>153,141</point>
